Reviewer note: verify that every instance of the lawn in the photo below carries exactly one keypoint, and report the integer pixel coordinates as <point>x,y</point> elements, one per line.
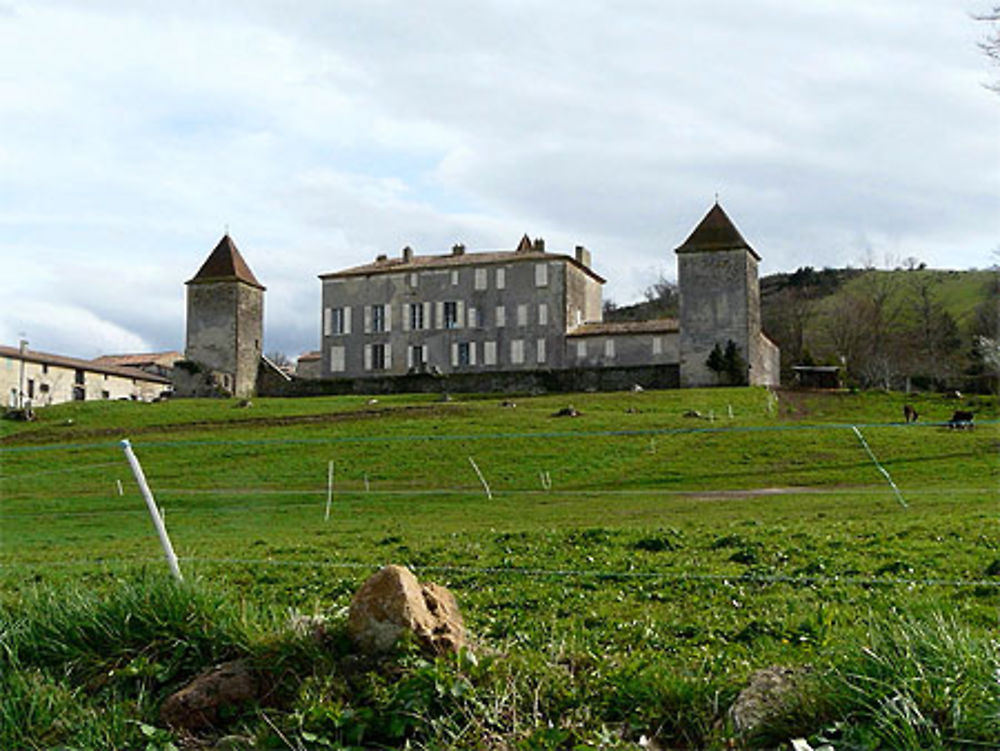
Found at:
<point>632,566</point>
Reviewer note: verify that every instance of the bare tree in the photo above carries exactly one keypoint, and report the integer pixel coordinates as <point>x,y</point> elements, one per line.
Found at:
<point>991,45</point>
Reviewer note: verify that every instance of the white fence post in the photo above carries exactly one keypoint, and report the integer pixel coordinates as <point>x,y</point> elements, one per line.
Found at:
<point>329,489</point>
<point>154,513</point>
<point>482,479</point>
<point>883,470</point>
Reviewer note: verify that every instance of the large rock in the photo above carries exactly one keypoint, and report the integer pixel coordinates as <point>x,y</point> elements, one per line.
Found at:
<point>393,602</point>
<point>197,705</point>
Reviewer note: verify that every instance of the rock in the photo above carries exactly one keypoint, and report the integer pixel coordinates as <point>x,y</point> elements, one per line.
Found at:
<point>766,697</point>
<point>393,602</point>
<point>198,704</point>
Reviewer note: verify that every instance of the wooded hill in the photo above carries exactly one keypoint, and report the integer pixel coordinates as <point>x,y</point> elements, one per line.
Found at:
<point>886,328</point>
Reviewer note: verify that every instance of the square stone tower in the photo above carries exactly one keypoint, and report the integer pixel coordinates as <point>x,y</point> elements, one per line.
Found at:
<point>720,303</point>
<point>225,323</point>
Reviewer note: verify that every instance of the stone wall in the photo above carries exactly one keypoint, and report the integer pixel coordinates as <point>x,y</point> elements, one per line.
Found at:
<point>528,381</point>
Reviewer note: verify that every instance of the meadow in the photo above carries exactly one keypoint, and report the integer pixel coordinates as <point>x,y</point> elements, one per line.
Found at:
<point>623,572</point>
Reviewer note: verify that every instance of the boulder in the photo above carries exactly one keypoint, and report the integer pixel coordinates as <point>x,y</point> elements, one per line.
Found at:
<point>198,704</point>
<point>393,602</point>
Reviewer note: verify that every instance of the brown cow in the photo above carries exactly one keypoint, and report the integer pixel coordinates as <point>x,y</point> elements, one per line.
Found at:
<point>909,413</point>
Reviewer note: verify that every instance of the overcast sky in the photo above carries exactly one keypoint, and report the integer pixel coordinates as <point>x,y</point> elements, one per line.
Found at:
<point>322,133</point>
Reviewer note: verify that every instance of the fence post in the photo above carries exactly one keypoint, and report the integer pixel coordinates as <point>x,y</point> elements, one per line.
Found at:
<point>883,470</point>
<point>154,513</point>
<point>329,489</point>
<point>482,479</point>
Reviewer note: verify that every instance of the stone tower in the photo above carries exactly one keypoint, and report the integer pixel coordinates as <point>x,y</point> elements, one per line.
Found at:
<point>720,302</point>
<point>225,322</point>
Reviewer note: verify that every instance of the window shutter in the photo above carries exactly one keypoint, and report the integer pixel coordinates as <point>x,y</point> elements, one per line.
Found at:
<point>368,319</point>
<point>472,353</point>
<point>543,314</point>
<point>406,312</point>
<point>454,354</point>
<point>388,357</point>
<point>459,314</point>
<point>409,357</point>
<point>473,317</point>
<point>439,316</point>
<point>347,319</point>
<point>540,350</point>
<point>428,311</point>
<point>368,357</point>
<point>327,321</point>
<point>388,317</point>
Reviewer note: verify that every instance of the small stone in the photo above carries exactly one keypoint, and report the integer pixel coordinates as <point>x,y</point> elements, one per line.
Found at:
<point>766,697</point>
<point>197,705</point>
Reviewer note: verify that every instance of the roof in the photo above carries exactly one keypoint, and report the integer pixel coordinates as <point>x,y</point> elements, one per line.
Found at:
<point>453,260</point>
<point>617,328</point>
<point>165,359</point>
<point>225,264</point>
<point>46,358</point>
<point>307,356</point>
<point>716,231</point>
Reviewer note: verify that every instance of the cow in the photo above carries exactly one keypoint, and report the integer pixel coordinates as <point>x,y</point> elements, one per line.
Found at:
<point>961,420</point>
<point>909,413</point>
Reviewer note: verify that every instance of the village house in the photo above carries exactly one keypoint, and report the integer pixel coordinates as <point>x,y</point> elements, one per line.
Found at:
<point>30,378</point>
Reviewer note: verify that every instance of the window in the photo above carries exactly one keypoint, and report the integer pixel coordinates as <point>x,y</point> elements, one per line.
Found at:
<point>105,394</point>
<point>80,378</point>
<point>43,388</point>
<point>31,388</point>
<point>45,368</point>
<point>416,357</point>
<point>464,353</point>
<point>473,316</point>
<point>337,360</point>
<point>480,279</point>
<point>378,318</point>
<point>540,351</point>
<point>501,315</point>
<point>581,348</point>
<point>413,280</point>
<point>543,314</point>
<point>501,278</point>
<point>541,275</point>
<point>657,345</point>
<point>451,315</point>
<point>454,277</point>
<point>489,353</point>
<point>378,357</point>
<point>416,316</point>
<point>79,394</point>
<point>609,347</point>
<point>517,351</point>
<point>336,322</point>
<point>522,315</point>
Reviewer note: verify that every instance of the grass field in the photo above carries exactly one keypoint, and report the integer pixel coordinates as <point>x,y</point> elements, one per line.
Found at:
<point>633,567</point>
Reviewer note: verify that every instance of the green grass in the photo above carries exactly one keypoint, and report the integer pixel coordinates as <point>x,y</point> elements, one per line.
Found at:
<point>670,558</point>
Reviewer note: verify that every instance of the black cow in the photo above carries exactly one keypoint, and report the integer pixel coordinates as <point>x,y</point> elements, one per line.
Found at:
<point>909,413</point>
<point>961,420</point>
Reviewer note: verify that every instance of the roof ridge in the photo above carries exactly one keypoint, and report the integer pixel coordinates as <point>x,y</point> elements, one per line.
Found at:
<point>225,263</point>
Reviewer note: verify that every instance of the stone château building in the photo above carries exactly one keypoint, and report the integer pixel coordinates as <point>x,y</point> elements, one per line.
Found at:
<point>529,309</point>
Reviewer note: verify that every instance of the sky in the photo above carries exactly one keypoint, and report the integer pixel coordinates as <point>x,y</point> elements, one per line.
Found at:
<point>321,133</point>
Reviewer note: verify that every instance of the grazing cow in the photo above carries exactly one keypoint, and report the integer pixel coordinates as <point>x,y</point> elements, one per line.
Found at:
<point>961,420</point>
<point>909,413</point>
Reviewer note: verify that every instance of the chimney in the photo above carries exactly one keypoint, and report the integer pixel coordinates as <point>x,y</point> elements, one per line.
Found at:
<point>458,249</point>
<point>381,258</point>
<point>582,256</point>
<point>407,254</point>
<point>539,246</point>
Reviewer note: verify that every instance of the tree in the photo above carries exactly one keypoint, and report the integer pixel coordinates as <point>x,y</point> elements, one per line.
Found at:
<point>991,45</point>
<point>662,298</point>
<point>728,365</point>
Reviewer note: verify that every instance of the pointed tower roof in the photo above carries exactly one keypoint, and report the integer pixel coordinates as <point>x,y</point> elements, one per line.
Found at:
<point>715,232</point>
<point>525,245</point>
<point>225,264</point>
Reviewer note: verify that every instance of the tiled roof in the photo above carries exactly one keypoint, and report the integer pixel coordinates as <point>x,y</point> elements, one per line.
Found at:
<point>654,326</point>
<point>164,359</point>
<point>225,264</point>
<point>45,358</point>
<point>452,260</point>
<point>716,231</point>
